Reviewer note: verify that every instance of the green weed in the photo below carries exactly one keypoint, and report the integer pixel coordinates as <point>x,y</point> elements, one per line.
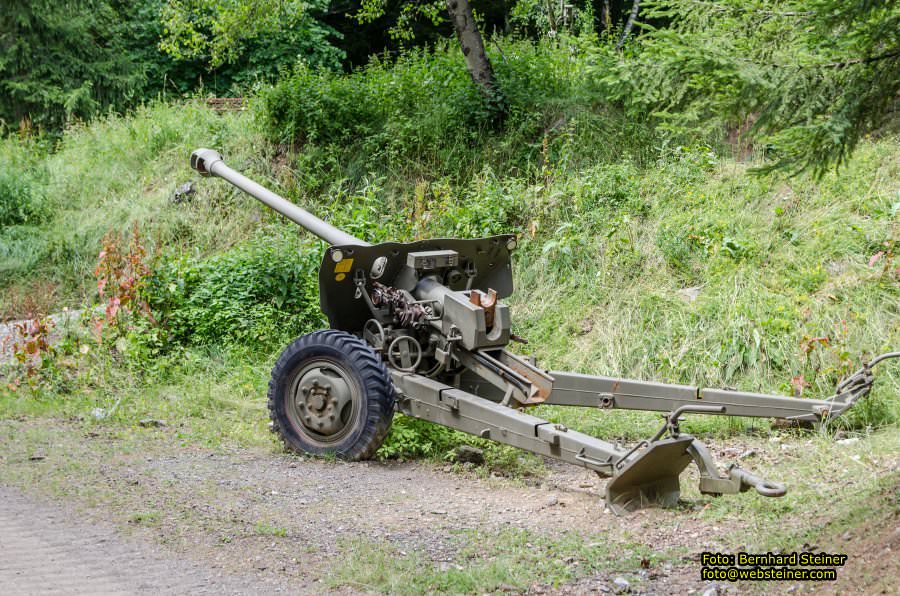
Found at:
<point>144,518</point>
<point>267,529</point>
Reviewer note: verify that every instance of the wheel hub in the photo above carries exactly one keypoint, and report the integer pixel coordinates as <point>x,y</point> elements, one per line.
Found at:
<point>322,400</point>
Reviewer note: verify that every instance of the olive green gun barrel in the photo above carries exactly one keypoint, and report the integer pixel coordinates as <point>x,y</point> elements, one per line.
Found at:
<point>209,163</point>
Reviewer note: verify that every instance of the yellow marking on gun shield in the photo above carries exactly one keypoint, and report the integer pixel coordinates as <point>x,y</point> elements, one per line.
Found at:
<point>344,266</point>
<point>340,277</point>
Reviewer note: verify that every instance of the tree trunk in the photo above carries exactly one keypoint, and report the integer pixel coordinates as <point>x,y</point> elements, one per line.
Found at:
<point>473,49</point>
<point>628,25</point>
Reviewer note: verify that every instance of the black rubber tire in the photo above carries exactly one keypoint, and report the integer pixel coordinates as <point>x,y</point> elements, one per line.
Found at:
<point>373,419</point>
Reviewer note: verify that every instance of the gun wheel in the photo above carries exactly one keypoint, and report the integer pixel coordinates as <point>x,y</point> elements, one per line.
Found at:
<point>330,394</point>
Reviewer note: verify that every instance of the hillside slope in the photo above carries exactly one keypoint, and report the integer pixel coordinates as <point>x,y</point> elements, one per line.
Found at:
<point>687,269</point>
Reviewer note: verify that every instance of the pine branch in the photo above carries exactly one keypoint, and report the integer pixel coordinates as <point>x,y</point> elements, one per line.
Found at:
<point>715,7</point>
<point>845,63</point>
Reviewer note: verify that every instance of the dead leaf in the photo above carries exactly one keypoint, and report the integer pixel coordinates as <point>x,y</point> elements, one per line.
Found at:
<point>799,383</point>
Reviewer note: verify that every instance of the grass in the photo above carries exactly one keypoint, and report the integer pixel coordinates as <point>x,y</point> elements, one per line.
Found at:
<point>106,176</point>
<point>266,529</point>
<point>212,398</point>
<point>518,560</point>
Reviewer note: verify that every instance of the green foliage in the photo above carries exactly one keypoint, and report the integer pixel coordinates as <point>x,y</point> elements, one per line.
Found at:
<point>536,18</point>
<point>62,60</point>
<point>421,113</point>
<point>410,438</point>
<point>261,292</point>
<point>421,98</point>
<point>808,78</point>
<point>487,208</point>
<point>407,14</point>
<point>165,76</point>
<point>268,529</point>
<point>65,62</point>
<point>222,31</point>
<point>22,184</point>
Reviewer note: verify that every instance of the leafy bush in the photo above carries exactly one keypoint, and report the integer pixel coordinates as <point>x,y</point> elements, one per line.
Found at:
<point>423,97</point>
<point>261,292</point>
<point>121,274</point>
<point>489,207</point>
<point>22,184</point>
<point>422,112</point>
<point>410,438</point>
<point>312,105</point>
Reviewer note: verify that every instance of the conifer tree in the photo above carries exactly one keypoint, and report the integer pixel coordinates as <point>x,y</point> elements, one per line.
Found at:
<point>60,60</point>
<point>811,76</point>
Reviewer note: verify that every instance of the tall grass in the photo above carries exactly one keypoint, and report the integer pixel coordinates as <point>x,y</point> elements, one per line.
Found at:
<point>109,174</point>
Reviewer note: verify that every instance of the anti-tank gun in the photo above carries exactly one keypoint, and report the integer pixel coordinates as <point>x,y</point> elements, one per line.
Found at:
<point>420,328</point>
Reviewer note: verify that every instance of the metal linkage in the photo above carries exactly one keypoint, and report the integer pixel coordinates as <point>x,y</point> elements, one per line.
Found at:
<point>859,384</point>
<point>646,475</point>
<point>434,401</point>
<point>649,472</point>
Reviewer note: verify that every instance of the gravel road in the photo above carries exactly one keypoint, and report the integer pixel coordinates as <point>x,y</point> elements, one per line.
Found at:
<point>142,511</point>
<point>44,551</point>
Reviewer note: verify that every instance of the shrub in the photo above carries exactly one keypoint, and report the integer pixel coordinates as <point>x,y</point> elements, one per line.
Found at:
<point>22,182</point>
<point>121,274</point>
<point>410,438</point>
<point>20,200</point>
<point>424,95</point>
<point>260,293</point>
<point>490,207</point>
<point>421,112</point>
<point>31,346</point>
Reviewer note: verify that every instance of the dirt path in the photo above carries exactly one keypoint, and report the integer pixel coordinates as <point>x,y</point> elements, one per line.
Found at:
<point>254,519</point>
<point>43,551</point>
<point>292,520</point>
